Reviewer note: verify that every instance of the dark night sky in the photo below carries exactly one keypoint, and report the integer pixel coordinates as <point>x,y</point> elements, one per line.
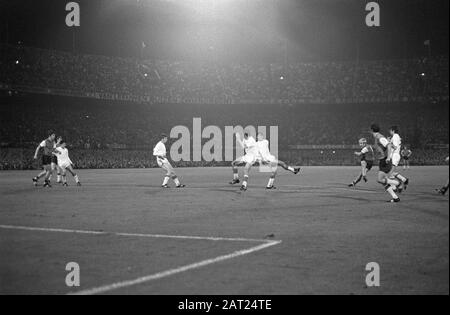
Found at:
<point>245,29</point>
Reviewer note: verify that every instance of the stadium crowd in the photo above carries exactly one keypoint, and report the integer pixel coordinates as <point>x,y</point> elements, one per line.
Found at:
<point>108,134</point>
<point>158,81</point>
<point>97,124</point>
<point>111,110</point>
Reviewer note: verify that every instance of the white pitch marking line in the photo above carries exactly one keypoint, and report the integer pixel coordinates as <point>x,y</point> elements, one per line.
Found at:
<point>200,238</point>
<point>160,275</point>
<point>171,272</point>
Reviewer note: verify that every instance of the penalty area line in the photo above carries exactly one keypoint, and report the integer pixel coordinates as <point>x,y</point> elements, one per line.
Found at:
<point>183,237</point>
<point>171,272</point>
<point>128,283</point>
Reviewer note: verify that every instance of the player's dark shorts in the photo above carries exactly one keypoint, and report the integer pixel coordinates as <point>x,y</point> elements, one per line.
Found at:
<point>55,159</point>
<point>46,160</point>
<point>369,164</point>
<point>406,158</point>
<point>385,166</point>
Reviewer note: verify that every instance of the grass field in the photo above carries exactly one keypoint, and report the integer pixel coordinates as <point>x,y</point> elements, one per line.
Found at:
<point>311,236</point>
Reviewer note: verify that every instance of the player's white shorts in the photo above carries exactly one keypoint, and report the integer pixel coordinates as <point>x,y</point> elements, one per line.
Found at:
<point>249,158</point>
<point>162,162</point>
<point>64,165</point>
<point>269,159</point>
<point>396,158</point>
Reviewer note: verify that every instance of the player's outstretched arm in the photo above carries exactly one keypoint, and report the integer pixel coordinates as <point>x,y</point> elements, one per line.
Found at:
<point>390,151</point>
<point>37,152</point>
<point>239,140</point>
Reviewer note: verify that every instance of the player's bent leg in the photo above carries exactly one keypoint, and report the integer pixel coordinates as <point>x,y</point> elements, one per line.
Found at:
<point>38,177</point>
<point>389,185</point>
<point>391,190</point>
<point>270,184</point>
<point>174,177</point>
<point>381,178</point>
<point>246,176</point>
<point>58,173</point>
<point>356,180</point>
<point>75,175</point>
<point>165,183</point>
<point>364,168</point>
<point>64,177</point>
<point>361,175</point>
<point>47,177</point>
<point>291,169</point>
<point>234,166</point>
<point>444,189</point>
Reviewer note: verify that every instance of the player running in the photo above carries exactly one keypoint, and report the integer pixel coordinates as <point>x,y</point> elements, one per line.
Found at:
<point>266,158</point>
<point>444,189</point>
<point>367,156</point>
<point>249,158</point>
<point>48,147</point>
<point>406,155</point>
<point>383,149</point>
<point>395,158</point>
<point>64,163</point>
<point>160,153</point>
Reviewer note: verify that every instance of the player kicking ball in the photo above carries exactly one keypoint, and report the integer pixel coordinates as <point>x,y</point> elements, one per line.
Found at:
<point>249,158</point>
<point>65,164</point>
<point>367,156</point>
<point>160,153</point>
<point>266,158</point>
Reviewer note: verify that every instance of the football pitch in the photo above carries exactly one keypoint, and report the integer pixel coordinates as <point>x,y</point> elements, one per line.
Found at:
<point>313,235</point>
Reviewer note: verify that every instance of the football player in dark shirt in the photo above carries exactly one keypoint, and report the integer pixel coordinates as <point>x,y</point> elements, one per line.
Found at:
<point>48,147</point>
<point>367,157</point>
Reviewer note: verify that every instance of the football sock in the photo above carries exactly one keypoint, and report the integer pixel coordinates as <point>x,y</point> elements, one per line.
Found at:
<point>176,180</point>
<point>286,167</point>
<point>77,180</point>
<point>357,180</point>
<point>235,173</point>
<point>400,177</point>
<point>245,183</point>
<point>166,180</point>
<point>271,181</point>
<point>390,190</point>
<point>392,182</point>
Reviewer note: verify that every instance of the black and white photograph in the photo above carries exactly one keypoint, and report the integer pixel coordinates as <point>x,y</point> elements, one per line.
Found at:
<point>224,154</point>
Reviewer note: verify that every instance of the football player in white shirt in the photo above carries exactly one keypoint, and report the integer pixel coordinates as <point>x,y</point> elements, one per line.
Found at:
<point>160,152</point>
<point>64,163</point>
<point>266,158</point>
<point>54,165</point>
<point>395,158</point>
<point>251,153</point>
